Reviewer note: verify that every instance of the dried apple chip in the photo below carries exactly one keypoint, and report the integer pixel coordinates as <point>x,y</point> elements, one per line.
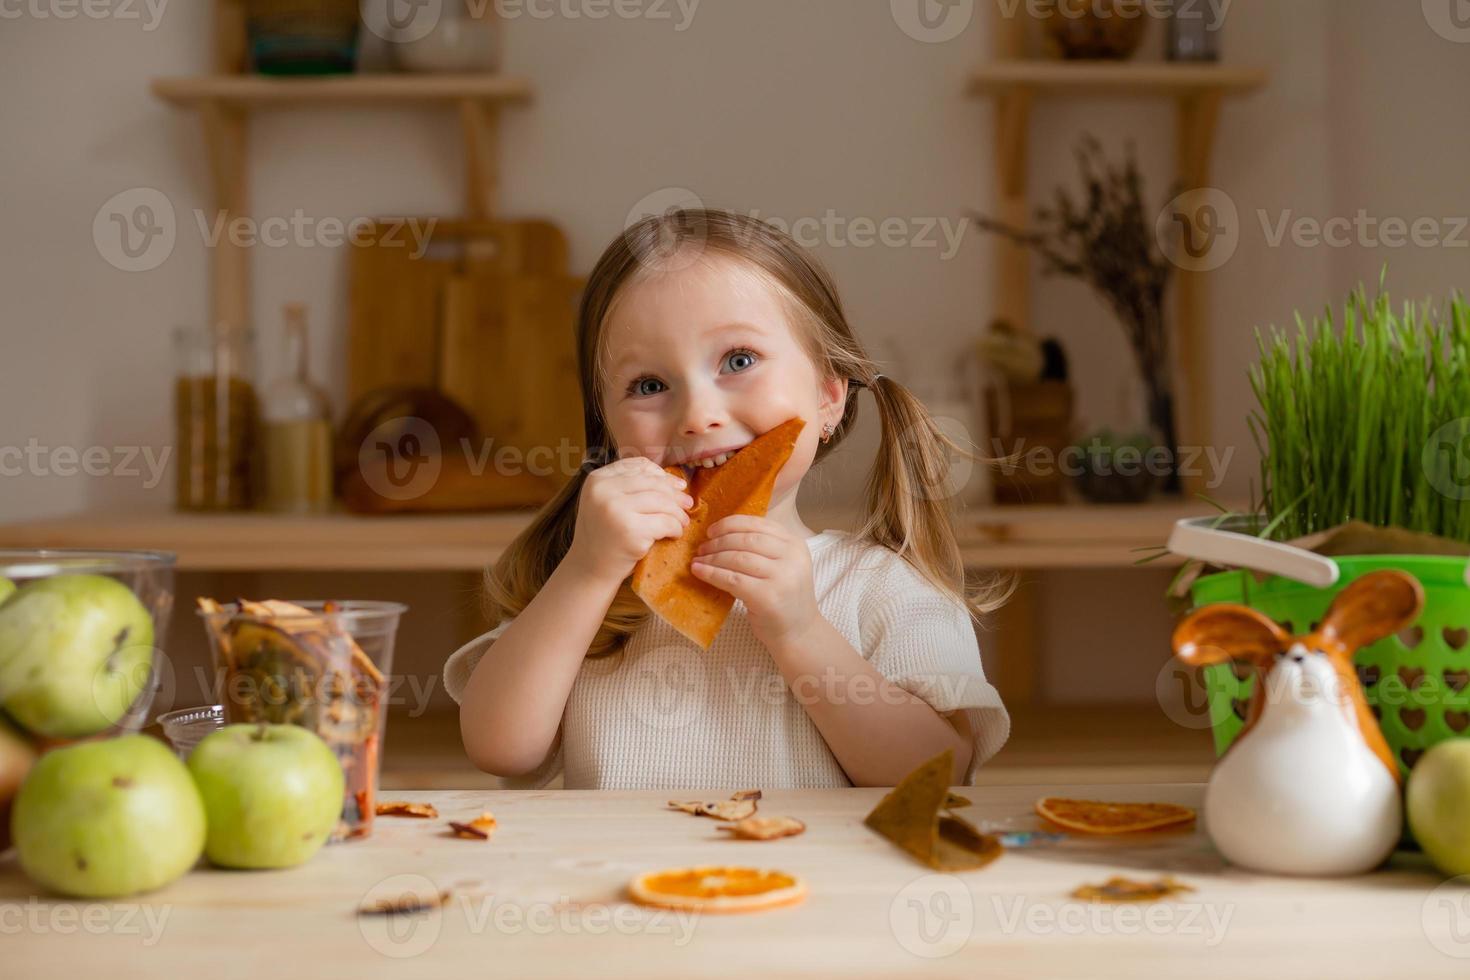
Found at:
<point>404,904</point>
<point>737,807</point>
<point>479,828</point>
<point>1121,889</point>
<point>764,828</point>
<point>403,808</point>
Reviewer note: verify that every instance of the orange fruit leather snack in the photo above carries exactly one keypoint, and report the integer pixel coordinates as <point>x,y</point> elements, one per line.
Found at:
<point>742,485</point>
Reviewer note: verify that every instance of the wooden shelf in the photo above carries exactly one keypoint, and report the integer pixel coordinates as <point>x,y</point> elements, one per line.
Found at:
<point>1084,79</point>
<point>224,103</point>
<point>1080,536</point>
<point>1197,92</point>
<point>267,92</point>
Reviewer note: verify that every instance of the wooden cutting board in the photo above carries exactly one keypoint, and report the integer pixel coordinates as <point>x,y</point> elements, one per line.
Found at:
<point>508,355</point>
<point>487,315</point>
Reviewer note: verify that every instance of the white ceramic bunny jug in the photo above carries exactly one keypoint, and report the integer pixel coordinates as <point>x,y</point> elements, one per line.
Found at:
<point>1309,786</point>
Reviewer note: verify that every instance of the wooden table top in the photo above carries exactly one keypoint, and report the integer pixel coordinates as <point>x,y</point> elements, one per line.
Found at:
<point>544,897</point>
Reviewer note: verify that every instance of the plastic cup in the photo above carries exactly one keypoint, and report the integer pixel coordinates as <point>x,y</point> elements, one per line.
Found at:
<point>326,670</point>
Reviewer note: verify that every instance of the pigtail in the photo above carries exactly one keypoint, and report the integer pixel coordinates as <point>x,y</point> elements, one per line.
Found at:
<point>910,508</point>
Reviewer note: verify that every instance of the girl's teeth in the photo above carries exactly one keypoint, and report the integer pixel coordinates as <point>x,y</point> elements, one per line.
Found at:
<point>714,461</point>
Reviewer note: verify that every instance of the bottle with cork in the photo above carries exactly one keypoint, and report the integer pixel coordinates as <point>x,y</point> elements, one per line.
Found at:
<point>297,430</point>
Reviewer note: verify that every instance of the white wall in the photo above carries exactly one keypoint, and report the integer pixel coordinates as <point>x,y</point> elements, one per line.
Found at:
<point>790,109</point>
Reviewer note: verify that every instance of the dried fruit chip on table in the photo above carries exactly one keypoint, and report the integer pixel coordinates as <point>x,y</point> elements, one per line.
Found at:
<point>285,664</point>
<point>1100,817</point>
<point>717,888</point>
<point>406,903</point>
<point>737,807</point>
<point>764,828</point>
<point>1121,889</point>
<point>403,808</point>
<point>479,828</point>
<point>913,816</point>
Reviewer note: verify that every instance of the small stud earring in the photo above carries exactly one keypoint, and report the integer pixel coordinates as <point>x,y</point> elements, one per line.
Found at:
<point>827,432</point>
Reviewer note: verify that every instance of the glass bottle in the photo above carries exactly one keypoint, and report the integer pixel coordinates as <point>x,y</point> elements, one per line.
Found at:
<point>214,419</point>
<point>1192,35</point>
<point>298,430</point>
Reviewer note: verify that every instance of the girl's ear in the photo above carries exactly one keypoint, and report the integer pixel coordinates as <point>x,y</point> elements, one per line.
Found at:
<point>1228,631</point>
<point>834,397</point>
<point>1372,607</point>
<point>834,394</point>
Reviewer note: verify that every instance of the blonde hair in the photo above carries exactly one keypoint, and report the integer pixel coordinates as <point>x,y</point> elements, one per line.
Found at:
<point>906,508</point>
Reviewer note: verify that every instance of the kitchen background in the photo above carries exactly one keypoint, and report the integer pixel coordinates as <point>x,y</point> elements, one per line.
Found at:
<point>825,109</point>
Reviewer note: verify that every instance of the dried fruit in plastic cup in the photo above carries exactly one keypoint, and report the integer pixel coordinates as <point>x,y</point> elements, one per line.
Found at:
<point>321,664</point>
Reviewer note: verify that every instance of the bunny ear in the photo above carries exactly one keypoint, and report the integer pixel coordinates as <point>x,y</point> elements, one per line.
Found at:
<point>1228,631</point>
<point>1372,607</point>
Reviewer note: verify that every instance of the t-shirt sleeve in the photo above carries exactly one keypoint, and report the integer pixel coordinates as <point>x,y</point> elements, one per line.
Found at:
<point>924,642</point>
<point>457,670</point>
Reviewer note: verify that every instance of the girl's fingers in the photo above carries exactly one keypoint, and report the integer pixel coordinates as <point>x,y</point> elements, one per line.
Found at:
<point>744,522</point>
<point>743,562</point>
<point>658,502</point>
<point>736,583</point>
<point>756,543</point>
<point>633,482</point>
<point>667,526</point>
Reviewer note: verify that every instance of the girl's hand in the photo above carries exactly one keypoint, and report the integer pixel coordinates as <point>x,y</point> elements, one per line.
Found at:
<point>766,567</point>
<point>622,509</point>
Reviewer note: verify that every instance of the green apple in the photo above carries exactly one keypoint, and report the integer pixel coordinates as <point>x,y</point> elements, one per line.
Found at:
<point>6,588</point>
<point>17,755</point>
<point>75,652</point>
<point>108,818</point>
<point>1438,804</point>
<point>273,794</point>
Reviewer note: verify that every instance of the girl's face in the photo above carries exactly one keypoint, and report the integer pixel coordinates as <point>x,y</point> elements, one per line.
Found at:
<point>703,360</point>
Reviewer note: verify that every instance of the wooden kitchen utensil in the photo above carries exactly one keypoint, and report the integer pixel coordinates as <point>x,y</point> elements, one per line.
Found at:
<point>486,315</point>
<point>397,294</point>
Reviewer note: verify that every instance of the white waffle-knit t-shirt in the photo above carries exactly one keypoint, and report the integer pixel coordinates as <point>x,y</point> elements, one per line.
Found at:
<point>664,714</point>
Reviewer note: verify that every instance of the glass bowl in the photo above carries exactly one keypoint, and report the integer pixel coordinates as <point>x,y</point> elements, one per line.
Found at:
<point>187,727</point>
<point>82,635</point>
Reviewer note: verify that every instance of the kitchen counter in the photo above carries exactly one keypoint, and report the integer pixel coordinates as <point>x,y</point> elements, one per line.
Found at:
<point>544,897</point>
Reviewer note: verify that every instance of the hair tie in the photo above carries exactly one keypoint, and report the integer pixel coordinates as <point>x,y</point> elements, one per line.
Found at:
<point>861,384</point>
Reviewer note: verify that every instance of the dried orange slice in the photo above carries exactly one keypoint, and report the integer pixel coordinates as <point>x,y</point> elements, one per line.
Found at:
<point>717,888</point>
<point>1100,817</point>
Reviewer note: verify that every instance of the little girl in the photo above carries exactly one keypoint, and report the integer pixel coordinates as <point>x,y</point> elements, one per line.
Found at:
<point>848,658</point>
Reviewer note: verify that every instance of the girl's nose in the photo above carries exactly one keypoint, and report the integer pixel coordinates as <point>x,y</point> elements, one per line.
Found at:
<point>701,415</point>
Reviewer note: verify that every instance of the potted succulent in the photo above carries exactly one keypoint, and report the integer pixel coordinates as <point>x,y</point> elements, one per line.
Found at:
<point>1113,468</point>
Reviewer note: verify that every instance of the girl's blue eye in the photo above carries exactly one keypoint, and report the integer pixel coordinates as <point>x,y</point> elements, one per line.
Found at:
<point>638,386</point>
<point>738,356</point>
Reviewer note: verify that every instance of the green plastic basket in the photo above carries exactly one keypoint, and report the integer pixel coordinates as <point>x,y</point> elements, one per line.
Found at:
<point>1417,683</point>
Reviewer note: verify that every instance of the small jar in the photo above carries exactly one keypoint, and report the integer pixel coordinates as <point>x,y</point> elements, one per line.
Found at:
<point>215,420</point>
<point>1193,34</point>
